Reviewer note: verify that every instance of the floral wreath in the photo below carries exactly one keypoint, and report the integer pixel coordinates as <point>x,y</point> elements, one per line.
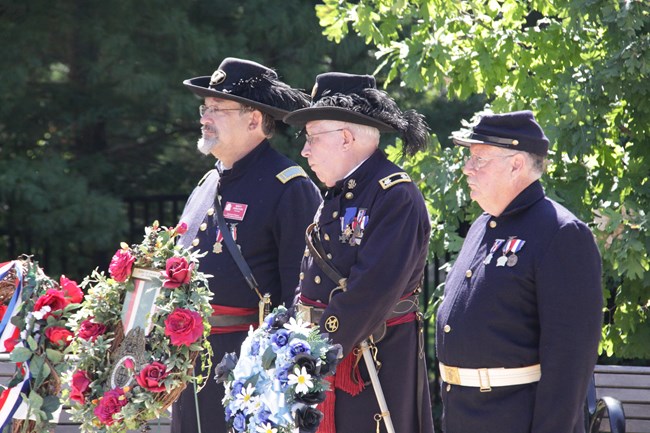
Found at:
<point>122,379</point>
<point>34,310</point>
<point>279,378</point>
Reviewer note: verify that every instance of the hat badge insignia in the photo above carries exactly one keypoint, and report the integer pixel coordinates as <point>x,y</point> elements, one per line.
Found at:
<point>218,77</point>
<point>314,90</point>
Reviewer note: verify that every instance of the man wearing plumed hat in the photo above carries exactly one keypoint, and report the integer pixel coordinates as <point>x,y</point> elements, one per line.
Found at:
<point>365,258</point>
<point>517,331</point>
<point>264,202</point>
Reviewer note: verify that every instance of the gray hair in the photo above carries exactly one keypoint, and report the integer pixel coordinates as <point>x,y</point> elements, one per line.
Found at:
<point>537,162</point>
<point>268,122</point>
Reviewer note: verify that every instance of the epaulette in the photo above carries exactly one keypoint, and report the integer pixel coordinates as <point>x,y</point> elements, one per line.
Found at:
<point>287,174</point>
<point>394,179</point>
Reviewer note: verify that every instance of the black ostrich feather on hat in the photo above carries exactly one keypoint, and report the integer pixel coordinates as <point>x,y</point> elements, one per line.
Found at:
<point>377,105</point>
<point>267,89</point>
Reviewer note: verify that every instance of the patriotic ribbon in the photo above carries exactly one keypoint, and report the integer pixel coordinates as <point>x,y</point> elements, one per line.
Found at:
<point>11,398</point>
<point>513,246</point>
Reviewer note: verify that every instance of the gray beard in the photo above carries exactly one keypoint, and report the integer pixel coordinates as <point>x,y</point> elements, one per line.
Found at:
<point>205,146</point>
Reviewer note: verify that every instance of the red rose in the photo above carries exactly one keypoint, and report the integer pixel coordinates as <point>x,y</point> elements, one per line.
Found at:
<point>183,327</point>
<point>181,228</point>
<point>121,265</point>
<point>10,344</point>
<point>177,272</point>
<point>151,377</point>
<point>71,290</point>
<point>3,310</point>
<point>89,330</point>
<point>110,404</point>
<point>79,387</point>
<point>54,299</point>
<point>59,335</point>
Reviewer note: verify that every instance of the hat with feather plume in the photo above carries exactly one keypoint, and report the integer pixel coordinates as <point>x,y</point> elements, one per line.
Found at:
<point>356,99</point>
<point>251,84</point>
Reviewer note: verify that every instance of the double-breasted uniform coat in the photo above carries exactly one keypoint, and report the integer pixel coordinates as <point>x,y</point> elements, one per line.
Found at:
<point>544,309</point>
<point>374,229</point>
<point>268,202</point>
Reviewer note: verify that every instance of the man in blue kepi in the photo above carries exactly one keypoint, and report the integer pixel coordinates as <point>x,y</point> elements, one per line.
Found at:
<point>517,331</point>
<point>257,199</point>
<point>367,249</point>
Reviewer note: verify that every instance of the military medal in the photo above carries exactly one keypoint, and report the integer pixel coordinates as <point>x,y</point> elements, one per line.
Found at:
<point>359,226</point>
<point>217,248</point>
<point>346,224</point>
<point>516,245</point>
<point>495,247</point>
<point>512,245</point>
<point>501,261</point>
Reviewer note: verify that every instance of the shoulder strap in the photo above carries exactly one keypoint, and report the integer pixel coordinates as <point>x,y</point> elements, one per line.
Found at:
<point>287,174</point>
<point>234,250</point>
<point>393,179</point>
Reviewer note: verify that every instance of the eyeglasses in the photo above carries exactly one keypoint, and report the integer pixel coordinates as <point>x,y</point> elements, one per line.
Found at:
<point>213,109</point>
<point>309,138</point>
<point>478,162</point>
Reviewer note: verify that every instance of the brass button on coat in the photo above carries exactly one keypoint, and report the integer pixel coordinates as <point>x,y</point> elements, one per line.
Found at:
<point>317,279</point>
<point>203,226</point>
<point>302,276</point>
<point>195,242</point>
<point>468,273</point>
<point>211,211</point>
<point>335,214</point>
<point>326,237</point>
<point>329,256</point>
<point>493,224</point>
<point>447,329</point>
<point>349,195</point>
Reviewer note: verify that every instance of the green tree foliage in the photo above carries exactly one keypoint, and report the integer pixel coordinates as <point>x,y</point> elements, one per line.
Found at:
<point>94,109</point>
<point>583,67</point>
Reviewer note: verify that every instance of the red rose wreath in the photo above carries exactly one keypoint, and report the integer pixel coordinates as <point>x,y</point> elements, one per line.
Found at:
<point>127,375</point>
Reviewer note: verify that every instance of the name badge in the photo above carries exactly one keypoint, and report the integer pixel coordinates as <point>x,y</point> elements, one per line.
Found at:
<point>234,211</point>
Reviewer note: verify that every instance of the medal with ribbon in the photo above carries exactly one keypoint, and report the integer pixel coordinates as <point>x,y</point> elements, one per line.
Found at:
<point>513,245</point>
<point>358,226</point>
<point>218,246</point>
<point>346,224</point>
<point>495,247</point>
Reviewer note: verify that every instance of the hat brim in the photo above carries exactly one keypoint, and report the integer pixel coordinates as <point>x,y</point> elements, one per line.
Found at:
<point>304,115</point>
<point>199,86</point>
<point>467,142</point>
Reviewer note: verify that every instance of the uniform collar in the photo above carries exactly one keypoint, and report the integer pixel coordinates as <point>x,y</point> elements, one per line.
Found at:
<point>240,167</point>
<point>528,197</point>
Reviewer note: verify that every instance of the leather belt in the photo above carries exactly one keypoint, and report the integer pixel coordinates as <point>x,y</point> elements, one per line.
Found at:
<point>221,320</point>
<point>404,306</point>
<point>486,378</point>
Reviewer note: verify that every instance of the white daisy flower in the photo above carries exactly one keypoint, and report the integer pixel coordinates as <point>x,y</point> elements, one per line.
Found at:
<point>301,379</point>
<point>266,428</point>
<point>245,398</point>
<point>298,326</point>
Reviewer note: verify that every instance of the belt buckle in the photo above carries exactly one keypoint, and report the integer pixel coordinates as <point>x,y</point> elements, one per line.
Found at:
<point>305,312</point>
<point>484,380</point>
<point>451,375</point>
